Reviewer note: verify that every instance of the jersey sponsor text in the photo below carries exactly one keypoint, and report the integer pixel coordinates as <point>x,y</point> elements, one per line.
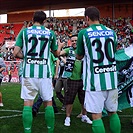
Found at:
<point>37,61</point>
<point>105,69</point>
<point>38,32</point>
<point>101,33</point>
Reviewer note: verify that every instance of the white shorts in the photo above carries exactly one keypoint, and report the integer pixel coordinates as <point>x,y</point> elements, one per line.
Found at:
<point>30,87</point>
<point>96,101</point>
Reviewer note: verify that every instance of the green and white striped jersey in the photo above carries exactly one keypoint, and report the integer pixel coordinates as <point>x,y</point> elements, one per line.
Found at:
<point>36,42</point>
<point>98,45</point>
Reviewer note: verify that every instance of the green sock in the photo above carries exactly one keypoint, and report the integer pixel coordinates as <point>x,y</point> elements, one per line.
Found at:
<point>49,118</point>
<point>115,125</point>
<point>27,119</point>
<point>98,126</point>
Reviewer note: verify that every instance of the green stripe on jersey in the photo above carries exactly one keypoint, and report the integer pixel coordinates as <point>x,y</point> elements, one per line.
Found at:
<point>41,66</point>
<point>34,51</point>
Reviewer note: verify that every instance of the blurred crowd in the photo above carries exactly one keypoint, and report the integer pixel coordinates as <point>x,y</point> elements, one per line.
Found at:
<point>64,28</point>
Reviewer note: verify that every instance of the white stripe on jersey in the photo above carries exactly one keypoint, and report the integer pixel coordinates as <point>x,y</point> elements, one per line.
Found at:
<point>102,39</point>
<point>107,77</point>
<point>95,56</point>
<point>27,70</point>
<point>97,78</point>
<point>36,67</point>
<point>116,79</point>
<point>86,67</point>
<point>86,75</point>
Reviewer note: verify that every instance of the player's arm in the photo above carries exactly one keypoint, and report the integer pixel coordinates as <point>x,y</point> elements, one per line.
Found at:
<point>57,69</point>
<point>63,52</point>
<point>18,52</point>
<point>19,43</point>
<point>57,52</point>
<point>63,59</point>
<point>80,46</point>
<point>79,57</point>
<point>56,48</point>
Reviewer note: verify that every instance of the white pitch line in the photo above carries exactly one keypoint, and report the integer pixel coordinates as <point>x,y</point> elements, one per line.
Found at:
<point>17,115</point>
<point>55,113</point>
<point>126,116</point>
<point>6,110</point>
<point>11,116</point>
<point>18,111</point>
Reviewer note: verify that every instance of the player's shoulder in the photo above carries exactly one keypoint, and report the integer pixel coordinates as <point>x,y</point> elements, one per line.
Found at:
<point>51,32</point>
<point>108,28</point>
<point>83,31</point>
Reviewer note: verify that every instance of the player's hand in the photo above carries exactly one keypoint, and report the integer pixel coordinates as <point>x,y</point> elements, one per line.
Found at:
<point>56,76</point>
<point>61,44</point>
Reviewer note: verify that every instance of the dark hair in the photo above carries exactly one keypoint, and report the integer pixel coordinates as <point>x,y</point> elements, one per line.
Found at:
<point>93,13</point>
<point>39,16</point>
<point>73,35</point>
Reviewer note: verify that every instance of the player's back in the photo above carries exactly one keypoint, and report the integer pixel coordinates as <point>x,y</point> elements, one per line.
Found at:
<point>100,45</point>
<point>36,48</point>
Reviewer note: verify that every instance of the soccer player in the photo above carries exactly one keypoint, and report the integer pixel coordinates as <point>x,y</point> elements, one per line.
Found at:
<point>33,45</point>
<point>97,44</point>
<point>38,103</point>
